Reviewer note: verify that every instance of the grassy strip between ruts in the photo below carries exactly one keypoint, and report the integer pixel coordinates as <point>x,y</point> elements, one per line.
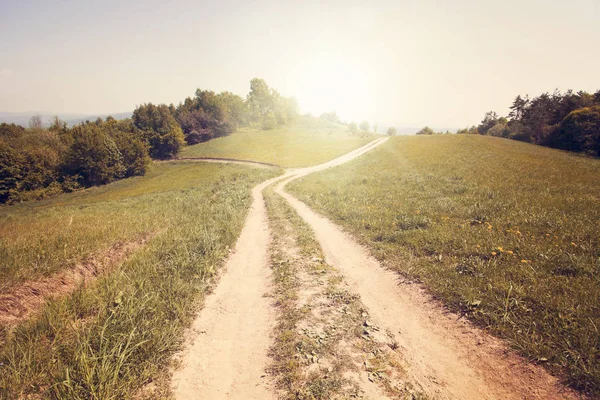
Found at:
<point>110,339</point>
<point>304,142</point>
<point>325,346</point>
<point>504,232</point>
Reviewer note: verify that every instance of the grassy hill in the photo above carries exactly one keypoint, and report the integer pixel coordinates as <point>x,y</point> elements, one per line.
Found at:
<point>306,141</point>
<point>504,232</point>
<point>109,337</point>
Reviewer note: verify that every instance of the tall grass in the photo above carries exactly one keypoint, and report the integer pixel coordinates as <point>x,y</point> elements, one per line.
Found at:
<point>504,232</point>
<point>304,142</point>
<point>40,238</point>
<point>109,339</point>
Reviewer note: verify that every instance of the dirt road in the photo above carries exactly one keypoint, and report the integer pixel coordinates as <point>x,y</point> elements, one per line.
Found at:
<point>231,336</point>
<point>446,357</point>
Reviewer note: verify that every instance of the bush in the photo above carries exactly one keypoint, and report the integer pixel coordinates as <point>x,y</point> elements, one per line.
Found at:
<point>426,131</point>
<point>269,121</point>
<point>94,156</point>
<point>133,148</point>
<point>500,129</point>
<point>11,164</point>
<point>579,131</point>
<point>160,129</point>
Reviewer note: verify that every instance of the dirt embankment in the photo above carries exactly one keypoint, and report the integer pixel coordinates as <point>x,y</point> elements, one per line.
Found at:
<point>20,302</point>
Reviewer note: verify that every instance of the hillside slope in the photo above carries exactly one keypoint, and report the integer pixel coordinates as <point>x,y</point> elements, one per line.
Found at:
<point>137,255</point>
<point>504,232</point>
<point>304,142</point>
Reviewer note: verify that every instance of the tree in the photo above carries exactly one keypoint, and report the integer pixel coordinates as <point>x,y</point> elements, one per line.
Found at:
<point>94,156</point>
<point>518,108</point>
<point>35,122</point>
<point>59,126</point>
<point>426,131</point>
<point>391,131</point>
<point>259,99</point>
<point>490,119</point>
<point>129,141</point>
<point>375,128</point>
<point>11,169</point>
<point>364,126</point>
<point>160,129</point>
<point>579,131</point>
<point>265,103</point>
<point>291,108</point>
<point>237,109</point>
<point>331,117</point>
<point>500,129</point>
<point>269,121</point>
<point>10,131</point>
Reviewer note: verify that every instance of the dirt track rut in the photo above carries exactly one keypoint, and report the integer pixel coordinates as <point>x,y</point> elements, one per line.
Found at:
<point>447,358</point>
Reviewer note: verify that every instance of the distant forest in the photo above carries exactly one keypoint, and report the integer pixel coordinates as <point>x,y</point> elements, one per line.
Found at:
<point>568,121</point>
<point>38,162</point>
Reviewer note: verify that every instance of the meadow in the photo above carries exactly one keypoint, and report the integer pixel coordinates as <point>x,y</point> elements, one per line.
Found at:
<point>303,142</point>
<point>504,233</point>
<point>113,338</point>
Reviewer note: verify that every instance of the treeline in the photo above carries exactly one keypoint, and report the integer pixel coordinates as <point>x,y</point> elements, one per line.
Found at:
<point>568,121</point>
<point>39,162</point>
<point>428,131</point>
<point>209,115</point>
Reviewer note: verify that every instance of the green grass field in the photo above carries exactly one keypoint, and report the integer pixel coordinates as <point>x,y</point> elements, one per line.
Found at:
<point>505,232</point>
<point>111,338</point>
<point>304,142</point>
<point>39,238</point>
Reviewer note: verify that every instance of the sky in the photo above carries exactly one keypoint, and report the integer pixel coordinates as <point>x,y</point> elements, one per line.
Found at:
<point>402,62</point>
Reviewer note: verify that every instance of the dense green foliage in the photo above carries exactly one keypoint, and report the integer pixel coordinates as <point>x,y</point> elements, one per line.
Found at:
<point>267,108</point>
<point>579,131</point>
<point>504,232</point>
<point>210,115</point>
<point>426,131</point>
<point>160,129</point>
<point>568,121</point>
<point>38,162</point>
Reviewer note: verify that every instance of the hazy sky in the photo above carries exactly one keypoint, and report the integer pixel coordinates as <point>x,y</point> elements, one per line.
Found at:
<point>411,63</point>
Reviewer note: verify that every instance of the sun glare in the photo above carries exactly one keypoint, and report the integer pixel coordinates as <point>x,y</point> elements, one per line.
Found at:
<point>330,84</point>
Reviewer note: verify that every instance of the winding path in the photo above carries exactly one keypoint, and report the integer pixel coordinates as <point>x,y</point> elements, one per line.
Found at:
<point>447,358</point>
